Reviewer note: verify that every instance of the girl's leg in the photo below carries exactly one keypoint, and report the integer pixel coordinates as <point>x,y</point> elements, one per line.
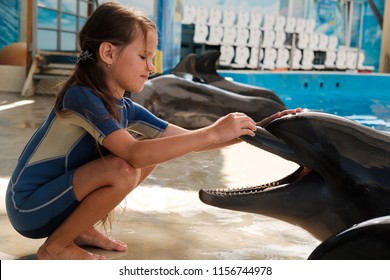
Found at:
<point>99,186</point>
<point>94,238</point>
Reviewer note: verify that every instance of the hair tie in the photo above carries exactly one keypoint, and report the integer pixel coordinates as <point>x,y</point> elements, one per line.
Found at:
<point>84,55</point>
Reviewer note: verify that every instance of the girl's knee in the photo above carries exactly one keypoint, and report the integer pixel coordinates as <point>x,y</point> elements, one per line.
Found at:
<point>125,173</point>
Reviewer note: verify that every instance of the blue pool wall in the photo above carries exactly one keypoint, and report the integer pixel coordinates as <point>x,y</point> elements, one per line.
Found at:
<point>305,89</point>
<point>361,97</point>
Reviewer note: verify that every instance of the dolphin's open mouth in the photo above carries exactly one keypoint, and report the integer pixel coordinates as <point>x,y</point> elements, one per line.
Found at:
<point>294,177</point>
<point>342,179</point>
<point>277,146</point>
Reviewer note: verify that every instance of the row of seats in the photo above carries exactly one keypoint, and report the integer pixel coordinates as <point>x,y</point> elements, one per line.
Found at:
<point>271,58</point>
<point>252,40</point>
<point>229,17</point>
<point>214,26</point>
<point>242,36</point>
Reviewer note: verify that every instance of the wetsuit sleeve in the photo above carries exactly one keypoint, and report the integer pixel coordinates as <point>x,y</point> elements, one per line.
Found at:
<point>87,111</point>
<point>142,121</point>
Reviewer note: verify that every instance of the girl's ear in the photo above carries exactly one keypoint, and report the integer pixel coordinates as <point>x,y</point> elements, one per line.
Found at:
<point>106,51</point>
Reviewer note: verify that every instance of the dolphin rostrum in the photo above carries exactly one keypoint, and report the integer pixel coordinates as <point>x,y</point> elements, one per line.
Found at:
<point>343,178</point>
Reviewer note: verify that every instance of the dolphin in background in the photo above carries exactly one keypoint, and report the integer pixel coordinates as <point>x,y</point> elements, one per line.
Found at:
<point>193,100</point>
<point>343,178</point>
<point>193,105</point>
<point>203,69</point>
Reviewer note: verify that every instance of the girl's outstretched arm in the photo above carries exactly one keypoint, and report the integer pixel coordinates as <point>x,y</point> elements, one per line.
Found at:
<point>154,151</point>
<point>175,130</point>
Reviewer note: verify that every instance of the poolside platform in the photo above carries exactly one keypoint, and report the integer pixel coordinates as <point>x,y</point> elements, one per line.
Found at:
<point>164,218</point>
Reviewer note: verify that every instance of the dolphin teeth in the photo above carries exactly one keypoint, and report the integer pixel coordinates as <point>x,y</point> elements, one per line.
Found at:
<point>222,192</point>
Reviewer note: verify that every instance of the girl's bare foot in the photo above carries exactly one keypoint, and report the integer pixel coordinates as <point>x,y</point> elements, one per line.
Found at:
<point>94,238</point>
<point>71,252</point>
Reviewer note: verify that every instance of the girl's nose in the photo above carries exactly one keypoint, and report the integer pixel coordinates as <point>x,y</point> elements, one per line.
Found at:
<point>150,66</point>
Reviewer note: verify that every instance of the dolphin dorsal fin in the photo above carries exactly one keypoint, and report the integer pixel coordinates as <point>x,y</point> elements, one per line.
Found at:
<point>206,64</point>
<point>186,65</point>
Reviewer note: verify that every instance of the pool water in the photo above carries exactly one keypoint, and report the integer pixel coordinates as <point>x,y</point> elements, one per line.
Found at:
<point>369,111</point>
<point>364,98</point>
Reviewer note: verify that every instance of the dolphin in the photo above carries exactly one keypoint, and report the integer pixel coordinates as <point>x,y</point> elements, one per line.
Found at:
<point>203,69</point>
<point>191,104</point>
<point>343,177</point>
<point>368,240</point>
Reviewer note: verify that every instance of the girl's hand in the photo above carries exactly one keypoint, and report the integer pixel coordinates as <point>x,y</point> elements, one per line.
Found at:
<point>232,126</point>
<point>267,120</point>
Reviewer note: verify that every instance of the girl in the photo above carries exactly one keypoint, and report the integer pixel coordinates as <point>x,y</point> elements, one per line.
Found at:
<point>82,162</point>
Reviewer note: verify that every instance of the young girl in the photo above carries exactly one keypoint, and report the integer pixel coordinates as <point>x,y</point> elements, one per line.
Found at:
<point>82,162</point>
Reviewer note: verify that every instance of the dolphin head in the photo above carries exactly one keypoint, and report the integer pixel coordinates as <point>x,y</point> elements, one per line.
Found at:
<point>343,176</point>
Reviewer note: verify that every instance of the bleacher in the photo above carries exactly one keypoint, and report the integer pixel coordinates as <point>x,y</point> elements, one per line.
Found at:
<point>250,40</point>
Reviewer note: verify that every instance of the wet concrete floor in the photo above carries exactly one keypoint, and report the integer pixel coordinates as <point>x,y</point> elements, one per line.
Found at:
<point>164,218</point>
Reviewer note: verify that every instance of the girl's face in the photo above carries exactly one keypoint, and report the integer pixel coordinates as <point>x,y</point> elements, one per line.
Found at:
<point>132,65</point>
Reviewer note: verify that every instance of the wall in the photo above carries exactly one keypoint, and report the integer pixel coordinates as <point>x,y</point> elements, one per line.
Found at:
<point>385,50</point>
<point>166,14</point>
<point>262,6</point>
<point>147,6</point>
<point>329,15</point>
<point>372,35</point>
<point>9,22</point>
<point>169,34</point>
<point>330,18</point>
<point>12,78</point>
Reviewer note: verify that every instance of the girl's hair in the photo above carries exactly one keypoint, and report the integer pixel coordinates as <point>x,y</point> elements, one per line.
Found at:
<point>113,23</point>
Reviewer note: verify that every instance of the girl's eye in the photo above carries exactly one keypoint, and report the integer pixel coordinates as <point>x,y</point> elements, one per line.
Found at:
<point>142,57</point>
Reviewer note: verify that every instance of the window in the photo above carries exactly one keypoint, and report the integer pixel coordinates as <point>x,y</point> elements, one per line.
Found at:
<point>59,21</point>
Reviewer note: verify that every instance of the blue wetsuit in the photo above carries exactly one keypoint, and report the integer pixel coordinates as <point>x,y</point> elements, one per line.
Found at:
<point>40,192</point>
